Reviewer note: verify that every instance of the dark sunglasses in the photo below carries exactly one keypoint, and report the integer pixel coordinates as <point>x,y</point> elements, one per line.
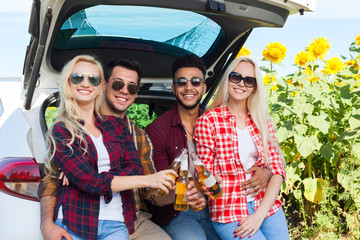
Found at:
<point>195,82</point>
<point>131,87</point>
<point>77,78</point>
<point>235,77</point>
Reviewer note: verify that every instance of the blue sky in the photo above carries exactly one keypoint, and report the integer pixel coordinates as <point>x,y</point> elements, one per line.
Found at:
<point>335,20</point>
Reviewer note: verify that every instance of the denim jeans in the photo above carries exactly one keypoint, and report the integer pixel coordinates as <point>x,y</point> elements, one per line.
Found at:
<point>273,227</point>
<point>107,230</point>
<point>191,225</point>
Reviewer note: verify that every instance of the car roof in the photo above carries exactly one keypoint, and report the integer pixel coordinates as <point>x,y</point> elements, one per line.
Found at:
<point>53,42</point>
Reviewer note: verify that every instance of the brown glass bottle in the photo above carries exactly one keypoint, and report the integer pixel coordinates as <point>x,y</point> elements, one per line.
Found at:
<point>181,200</point>
<point>207,179</point>
<point>175,165</point>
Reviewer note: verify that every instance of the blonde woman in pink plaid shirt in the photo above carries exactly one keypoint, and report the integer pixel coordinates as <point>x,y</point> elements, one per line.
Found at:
<point>235,134</point>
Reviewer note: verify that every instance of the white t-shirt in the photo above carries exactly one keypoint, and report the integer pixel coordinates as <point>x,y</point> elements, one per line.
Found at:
<point>113,210</point>
<point>247,152</point>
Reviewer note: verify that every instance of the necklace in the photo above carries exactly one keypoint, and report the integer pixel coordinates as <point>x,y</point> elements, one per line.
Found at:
<point>191,134</point>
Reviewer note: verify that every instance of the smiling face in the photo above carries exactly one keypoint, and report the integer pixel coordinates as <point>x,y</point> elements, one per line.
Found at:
<point>84,92</point>
<point>189,96</point>
<point>238,91</point>
<point>117,101</point>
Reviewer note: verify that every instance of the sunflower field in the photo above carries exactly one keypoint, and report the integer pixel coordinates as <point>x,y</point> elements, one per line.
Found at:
<point>317,113</point>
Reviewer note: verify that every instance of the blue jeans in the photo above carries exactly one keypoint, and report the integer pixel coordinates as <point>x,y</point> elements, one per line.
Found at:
<point>191,225</point>
<point>273,227</point>
<point>107,230</point>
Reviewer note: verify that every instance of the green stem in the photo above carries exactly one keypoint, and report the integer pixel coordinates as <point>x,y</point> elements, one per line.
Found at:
<point>309,160</point>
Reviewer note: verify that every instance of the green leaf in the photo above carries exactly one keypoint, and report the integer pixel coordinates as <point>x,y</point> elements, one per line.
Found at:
<point>354,121</point>
<point>298,194</point>
<point>282,134</point>
<point>301,129</point>
<point>306,145</point>
<point>327,151</point>
<point>313,189</point>
<point>315,91</point>
<point>355,150</point>
<point>301,108</point>
<point>320,123</point>
<point>345,92</point>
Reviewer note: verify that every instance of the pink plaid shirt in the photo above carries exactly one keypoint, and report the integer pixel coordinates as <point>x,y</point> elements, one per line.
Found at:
<point>217,142</point>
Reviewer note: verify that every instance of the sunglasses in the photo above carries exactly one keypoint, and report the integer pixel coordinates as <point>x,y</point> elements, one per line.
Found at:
<point>195,82</point>
<point>235,77</point>
<point>77,78</point>
<point>131,87</point>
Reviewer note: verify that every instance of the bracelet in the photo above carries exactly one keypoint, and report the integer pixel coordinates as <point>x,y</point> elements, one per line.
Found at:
<point>270,175</point>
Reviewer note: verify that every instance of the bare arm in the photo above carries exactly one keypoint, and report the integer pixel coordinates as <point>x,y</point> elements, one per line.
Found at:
<point>258,182</point>
<point>157,180</point>
<point>49,230</point>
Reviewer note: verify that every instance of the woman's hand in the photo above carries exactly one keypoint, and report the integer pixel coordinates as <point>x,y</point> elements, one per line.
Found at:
<point>205,190</point>
<point>64,179</point>
<point>249,225</point>
<point>162,180</point>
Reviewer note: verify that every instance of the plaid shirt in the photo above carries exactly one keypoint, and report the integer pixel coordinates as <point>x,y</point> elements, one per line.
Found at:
<point>145,150</point>
<point>80,200</point>
<point>217,142</point>
<point>48,186</point>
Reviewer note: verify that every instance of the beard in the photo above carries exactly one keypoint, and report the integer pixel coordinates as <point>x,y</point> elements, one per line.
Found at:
<point>112,106</point>
<point>178,99</point>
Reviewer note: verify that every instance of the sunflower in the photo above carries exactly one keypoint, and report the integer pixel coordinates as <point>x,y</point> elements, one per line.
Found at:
<point>352,63</point>
<point>319,47</point>
<point>274,88</point>
<point>334,65</point>
<point>268,80</point>
<point>302,58</point>
<point>274,52</point>
<point>357,40</point>
<point>244,51</point>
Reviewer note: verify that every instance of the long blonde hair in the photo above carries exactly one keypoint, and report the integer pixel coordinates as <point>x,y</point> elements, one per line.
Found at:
<point>256,103</point>
<point>69,113</point>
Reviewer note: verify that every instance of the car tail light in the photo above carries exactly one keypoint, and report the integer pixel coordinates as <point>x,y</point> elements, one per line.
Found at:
<point>19,177</point>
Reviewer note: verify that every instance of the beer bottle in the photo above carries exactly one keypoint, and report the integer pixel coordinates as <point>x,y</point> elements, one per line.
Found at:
<point>175,165</point>
<point>197,185</point>
<point>207,179</point>
<point>181,200</point>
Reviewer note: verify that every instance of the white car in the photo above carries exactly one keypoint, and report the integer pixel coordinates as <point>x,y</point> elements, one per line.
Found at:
<point>153,32</point>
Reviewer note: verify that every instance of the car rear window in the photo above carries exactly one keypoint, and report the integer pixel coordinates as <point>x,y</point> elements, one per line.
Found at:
<point>136,27</point>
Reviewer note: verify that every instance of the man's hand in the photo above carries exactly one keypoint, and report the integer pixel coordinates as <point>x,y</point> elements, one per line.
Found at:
<point>51,231</point>
<point>196,199</point>
<point>258,182</point>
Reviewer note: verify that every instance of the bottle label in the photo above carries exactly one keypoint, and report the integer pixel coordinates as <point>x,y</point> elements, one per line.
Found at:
<point>210,181</point>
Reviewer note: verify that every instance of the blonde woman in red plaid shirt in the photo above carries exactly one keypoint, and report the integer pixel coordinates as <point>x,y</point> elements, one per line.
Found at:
<point>234,135</point>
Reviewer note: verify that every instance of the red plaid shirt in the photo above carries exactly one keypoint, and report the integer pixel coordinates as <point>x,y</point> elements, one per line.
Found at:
<point>81,199</point>
<point>217,142</point>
